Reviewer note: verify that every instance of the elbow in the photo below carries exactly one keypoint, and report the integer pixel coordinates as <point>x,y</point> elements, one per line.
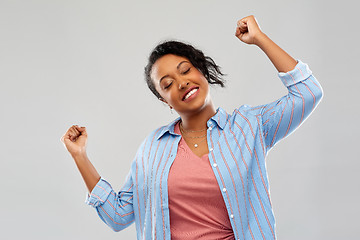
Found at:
<point>314,92</point>
<point>115,220</point>
<point>119,225</point>
<point>319,94</point>
<point>116,227</point>
<point>318,90</point>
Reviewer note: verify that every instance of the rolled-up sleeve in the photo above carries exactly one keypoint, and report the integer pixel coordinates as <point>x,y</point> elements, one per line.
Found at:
<point>281,117</point>
<point>115,209</point>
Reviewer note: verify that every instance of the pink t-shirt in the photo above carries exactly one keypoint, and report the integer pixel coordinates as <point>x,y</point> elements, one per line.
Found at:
<point>197,209</point>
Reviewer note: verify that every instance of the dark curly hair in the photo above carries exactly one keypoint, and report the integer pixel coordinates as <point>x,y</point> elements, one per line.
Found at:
<point>204,64</point>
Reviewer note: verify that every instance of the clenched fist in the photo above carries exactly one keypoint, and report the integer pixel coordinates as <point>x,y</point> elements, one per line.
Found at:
<point>75,140</point>
<point>248,30</point>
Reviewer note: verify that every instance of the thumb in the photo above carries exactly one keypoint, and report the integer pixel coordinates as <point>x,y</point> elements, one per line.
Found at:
<point>63,139</point>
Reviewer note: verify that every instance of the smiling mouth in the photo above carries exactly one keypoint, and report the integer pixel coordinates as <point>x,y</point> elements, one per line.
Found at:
<point>189,94</point>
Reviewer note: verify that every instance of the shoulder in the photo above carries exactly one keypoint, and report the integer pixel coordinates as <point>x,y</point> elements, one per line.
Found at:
<point>248,111</point>
<point>157,134</point>
<point>241,116</point>
<point>245,116</point>
<point>146,147</point>
<point>151,137</point>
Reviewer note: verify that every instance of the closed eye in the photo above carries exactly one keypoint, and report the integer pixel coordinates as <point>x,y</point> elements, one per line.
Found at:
<point>186,71</point>
<point>168,86</point>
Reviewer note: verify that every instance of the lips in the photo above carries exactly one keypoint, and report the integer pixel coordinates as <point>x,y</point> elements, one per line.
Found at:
<point>190,92</point>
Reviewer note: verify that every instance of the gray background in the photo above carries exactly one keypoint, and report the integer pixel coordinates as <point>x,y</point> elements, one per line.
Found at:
<point>81,62</point>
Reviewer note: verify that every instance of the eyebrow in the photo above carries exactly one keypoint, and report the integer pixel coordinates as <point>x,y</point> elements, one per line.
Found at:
<point>177,67</point>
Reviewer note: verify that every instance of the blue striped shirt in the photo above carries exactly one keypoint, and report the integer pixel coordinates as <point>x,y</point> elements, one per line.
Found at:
<point>238,144</point>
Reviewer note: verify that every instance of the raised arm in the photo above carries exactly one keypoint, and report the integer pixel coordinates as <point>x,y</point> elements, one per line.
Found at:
<point>115,209</point>
<point>75,140</point>
<point>281,117</point>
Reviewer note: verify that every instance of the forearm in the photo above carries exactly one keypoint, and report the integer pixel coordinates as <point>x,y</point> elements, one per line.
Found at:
<point>282,61</point>
<point>87,170</point>
<point>116,210</point>
<point>282,116</point>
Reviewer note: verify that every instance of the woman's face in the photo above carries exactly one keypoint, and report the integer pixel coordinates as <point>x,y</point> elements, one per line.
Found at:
<point>181,85</point>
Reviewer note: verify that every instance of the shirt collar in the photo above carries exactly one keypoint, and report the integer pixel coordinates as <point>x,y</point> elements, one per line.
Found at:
<point>168,128</point>
<point>219,119</point>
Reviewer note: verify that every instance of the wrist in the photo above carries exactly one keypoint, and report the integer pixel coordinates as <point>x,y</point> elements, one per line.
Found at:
<point>260,39</point>
<point>78,156</point>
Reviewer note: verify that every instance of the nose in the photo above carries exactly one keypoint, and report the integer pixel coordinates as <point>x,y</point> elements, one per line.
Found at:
<point>183,84</point>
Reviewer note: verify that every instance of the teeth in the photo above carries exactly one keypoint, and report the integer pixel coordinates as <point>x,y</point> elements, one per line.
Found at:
<point>190,93</point>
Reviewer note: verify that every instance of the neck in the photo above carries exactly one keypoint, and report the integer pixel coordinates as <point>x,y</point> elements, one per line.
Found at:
<point>197,121</point>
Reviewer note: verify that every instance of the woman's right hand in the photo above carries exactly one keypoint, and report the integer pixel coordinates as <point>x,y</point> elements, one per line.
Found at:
<point>75,140</point>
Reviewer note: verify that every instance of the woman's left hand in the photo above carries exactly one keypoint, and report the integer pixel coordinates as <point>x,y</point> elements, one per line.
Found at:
<point>248,30</point>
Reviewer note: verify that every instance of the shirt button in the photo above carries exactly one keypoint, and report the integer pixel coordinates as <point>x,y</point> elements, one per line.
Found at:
<point>211,149</point>
<point>231,216</point>
<point>210,128</point>
<point>215,165</point>
<point>224,189</point>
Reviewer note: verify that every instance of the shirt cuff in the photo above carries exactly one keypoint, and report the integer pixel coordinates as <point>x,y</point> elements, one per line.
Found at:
<point>99,194</point>
<point>300,73</point>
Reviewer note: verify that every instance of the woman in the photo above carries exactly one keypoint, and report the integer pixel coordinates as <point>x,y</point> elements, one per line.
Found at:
<point>203,176</point>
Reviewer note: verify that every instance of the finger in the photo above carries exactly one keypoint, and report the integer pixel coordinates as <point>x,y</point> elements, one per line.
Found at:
<point>73,130</point>
<point>70,136</point>
<point>73,134</point>
<point>67,134</point>
<point>65,138</point>
<point>76,131</point>
<point>243,20</point>
<point>242,25</point>
<point>237,32</point>
<point>82,130</point>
